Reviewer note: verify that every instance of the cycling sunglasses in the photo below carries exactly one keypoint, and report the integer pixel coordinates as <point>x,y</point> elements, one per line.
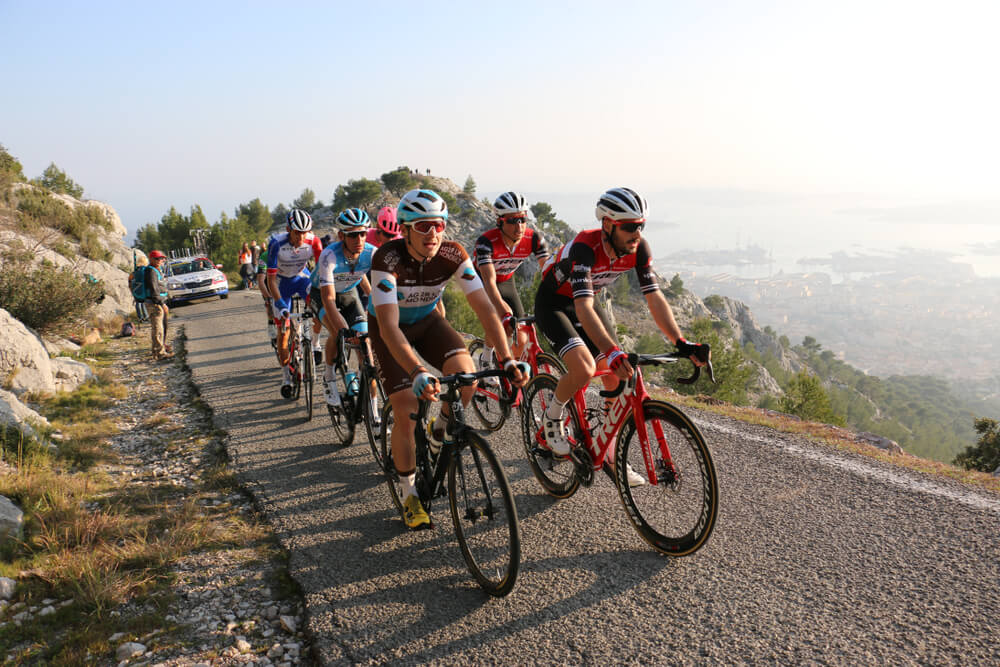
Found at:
<point>354,235</point>
<point>428,226</point>
<point>521,220</point>
<point>631,227</point>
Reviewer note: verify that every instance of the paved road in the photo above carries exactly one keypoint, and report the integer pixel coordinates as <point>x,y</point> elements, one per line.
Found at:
<point>817,557</point>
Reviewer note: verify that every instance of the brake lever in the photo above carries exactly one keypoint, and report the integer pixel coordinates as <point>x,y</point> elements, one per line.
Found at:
<point>703,354</point>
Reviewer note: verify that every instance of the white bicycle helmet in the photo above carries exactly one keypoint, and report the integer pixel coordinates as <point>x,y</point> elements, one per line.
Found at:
<point>510,203</point>
<point>420,205</point>
<point>299,220</point>
<point>353,219</point>
<point>621,204</point>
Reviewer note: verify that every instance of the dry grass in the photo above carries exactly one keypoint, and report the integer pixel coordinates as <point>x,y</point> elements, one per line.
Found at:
<point>832,436</point>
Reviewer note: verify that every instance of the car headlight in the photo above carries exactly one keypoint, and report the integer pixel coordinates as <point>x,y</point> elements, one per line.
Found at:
<point>220,279</point>
<point>173,285</point>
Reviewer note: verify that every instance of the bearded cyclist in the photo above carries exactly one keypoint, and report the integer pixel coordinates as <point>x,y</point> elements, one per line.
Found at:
<point>340,273</point>
<point>499,252</point>
<point>408,277</point>
<point>576,324</point>
<point>287,276</point>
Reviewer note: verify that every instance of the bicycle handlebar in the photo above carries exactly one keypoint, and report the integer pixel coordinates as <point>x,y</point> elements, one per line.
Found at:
<point>703,353</point>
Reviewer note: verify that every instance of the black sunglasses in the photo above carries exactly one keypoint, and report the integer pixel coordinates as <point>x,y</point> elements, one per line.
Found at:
<point>632,227</point>
<point>355,235</point>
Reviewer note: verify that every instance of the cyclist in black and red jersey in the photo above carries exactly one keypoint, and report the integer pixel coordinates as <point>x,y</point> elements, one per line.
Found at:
<point>576,324</point>
<point>499,252</point>
<point>408,277</point>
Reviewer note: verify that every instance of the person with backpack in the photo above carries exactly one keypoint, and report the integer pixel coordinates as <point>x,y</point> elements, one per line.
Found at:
<point>136,283</point>
<point>155,296</point>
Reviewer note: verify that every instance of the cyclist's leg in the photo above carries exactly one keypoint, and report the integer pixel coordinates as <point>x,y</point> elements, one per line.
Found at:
<point>510,295</point>
<point>555,316</point>
<point>444,348</point>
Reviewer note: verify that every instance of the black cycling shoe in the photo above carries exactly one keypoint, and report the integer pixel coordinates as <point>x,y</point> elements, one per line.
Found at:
<point>287,391</point>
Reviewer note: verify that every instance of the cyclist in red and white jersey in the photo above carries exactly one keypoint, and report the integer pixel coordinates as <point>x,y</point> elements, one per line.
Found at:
<point>408,278</point>
<point>576,324</point>
<point>499,252</point>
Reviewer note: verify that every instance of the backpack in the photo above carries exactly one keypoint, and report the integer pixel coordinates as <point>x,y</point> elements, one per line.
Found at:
<point>138,284</point>
<point>128,329</point>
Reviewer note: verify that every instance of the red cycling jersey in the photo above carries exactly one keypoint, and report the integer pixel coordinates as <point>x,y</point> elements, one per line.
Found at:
<point>582,267</point>
<point>491,249</point>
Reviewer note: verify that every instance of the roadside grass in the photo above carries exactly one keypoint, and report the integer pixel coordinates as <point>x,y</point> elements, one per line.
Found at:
<point>832,436</point>
<point>95,544</point>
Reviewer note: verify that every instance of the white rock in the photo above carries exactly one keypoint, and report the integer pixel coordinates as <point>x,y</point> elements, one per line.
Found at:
<point>68,374</point>
<point>275,651</point>
<point>23,357</point>
<point>115,637</point>
<point>7,586</point>
<point>11,520</point>
<point>15,413</point>
<point>129,650</point>
<point>242,645</point>
<point>47,610</point>
<point>288,624</point>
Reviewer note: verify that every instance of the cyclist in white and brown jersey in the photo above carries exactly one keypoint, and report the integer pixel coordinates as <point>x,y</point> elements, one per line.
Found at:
<point>576,324</point>
<point>499,253</point>
<point>408,278</point>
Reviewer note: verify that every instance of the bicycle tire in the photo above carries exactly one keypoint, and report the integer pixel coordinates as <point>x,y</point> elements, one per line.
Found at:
<point>307,382</point>
<point>371,409</point>
<point>551,364</point>
<point>677,515</point>
<point>388,467</point>
<point>484,516</point>
<point>557,476</point>
<point>296,372</point>
<point>342,418</point>
<point>490,402</point>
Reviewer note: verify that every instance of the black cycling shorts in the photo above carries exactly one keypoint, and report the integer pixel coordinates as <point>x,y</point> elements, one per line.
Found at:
<point>349,305</point>
<point>510,295</point>
<point>555,316</point>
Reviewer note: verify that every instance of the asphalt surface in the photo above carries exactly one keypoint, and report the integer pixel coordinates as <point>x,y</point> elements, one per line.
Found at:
<point>818,557</point>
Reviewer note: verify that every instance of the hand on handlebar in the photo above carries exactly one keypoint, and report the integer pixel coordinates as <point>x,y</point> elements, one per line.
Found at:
<point>426,387</point>
<point>518,372</point>
<point>698,354</point>
<point>618,363</point>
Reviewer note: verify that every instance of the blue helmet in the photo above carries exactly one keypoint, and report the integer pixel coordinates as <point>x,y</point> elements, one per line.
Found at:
<point>420,205</point>
<point>353,219</point>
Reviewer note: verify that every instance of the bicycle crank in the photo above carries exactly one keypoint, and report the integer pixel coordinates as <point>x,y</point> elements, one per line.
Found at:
<point>583,462</point>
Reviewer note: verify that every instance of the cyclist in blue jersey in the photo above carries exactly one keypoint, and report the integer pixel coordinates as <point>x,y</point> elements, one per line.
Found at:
<point>287,275</point>
<point>340,273</point>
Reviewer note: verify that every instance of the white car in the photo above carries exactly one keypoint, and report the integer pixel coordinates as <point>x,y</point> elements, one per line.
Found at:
<point>194,278</point>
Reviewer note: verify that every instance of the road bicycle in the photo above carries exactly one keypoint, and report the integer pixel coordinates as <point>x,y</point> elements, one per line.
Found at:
<point>357,402</point>
<point>674,509</point>
<point>493,401</point>
<point>301,361</point>
<point>479,495</point>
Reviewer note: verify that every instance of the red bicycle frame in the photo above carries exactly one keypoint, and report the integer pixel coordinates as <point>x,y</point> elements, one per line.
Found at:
<point>530,355</point>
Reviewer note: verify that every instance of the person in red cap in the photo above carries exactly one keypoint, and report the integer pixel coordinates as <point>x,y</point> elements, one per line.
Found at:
<point>156,303</point>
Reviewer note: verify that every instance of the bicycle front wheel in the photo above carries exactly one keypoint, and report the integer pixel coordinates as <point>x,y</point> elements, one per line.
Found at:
<point>676,515</point>
<point>489,402</point>
<point>373,421</point>
<point>388,467</point>
<point>308,374</point>
<point>484,515</point>
<point>557,476</point>
<point>551,364</point>
<point>342,417</point>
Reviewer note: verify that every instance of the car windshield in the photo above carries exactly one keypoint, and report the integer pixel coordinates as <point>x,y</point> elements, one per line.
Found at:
<point>191,267</point>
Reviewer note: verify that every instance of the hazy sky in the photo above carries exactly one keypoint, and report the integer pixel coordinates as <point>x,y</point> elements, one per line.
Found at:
<point>148,105</point>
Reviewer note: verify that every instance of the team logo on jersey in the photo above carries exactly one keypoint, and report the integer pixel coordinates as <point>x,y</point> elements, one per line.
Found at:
<point>468,274</point>
<point>385,286</point>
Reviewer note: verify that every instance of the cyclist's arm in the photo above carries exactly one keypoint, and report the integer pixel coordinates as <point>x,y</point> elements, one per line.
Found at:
<point>366,286</point>
<point>333,319</point>
<point>487,314</point>
<point>489,276</point>
<point>272,284</point>
<point>663,315</point>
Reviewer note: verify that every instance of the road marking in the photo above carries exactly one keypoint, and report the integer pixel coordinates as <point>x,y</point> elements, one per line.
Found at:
<point>965,497</point>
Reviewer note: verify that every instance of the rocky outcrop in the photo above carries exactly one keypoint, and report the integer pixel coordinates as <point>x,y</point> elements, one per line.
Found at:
<point>14,413</point>
<point>11,520</point>
<point>68,374</point>
<point>876,440</point>
<point>24,362</point>
<point>746,330</point>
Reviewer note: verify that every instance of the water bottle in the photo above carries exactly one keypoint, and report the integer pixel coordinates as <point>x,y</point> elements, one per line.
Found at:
<point>351,380</point>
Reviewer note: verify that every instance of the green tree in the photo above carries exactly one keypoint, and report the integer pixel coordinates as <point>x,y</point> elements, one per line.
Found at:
<point>985,455</point>
<point>256,217</point>
<point>279,215</point>
<point>306,201</point>
<point>359,193</point>
<point>470,186</point>
<point>56,180</point>
<point>10,168</point>
<point>676,287</point>
<point>398,181</point>
<point>811,345</point>
<point>550,225</point>
<point>806,398</point>
<point>732,372</point>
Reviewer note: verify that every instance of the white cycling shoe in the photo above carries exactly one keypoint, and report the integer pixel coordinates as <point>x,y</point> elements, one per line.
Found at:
<point>332,395</point>
<point>554,431</point>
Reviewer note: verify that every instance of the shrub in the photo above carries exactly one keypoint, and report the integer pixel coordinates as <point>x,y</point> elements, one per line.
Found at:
<point>985,456</point>
<point>68,294</point>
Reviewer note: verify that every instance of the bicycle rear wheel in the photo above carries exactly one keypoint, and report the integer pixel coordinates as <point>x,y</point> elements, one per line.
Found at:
<point>296,364</point>
<point>372,405</point>
<point>308,374</point>
<point>342,417</point>
<point>551,364</point>
<point>489,402</point>
<point>484,516</point>
<point>388,467</point>
<point>677,514</point>
<point>557,476</point>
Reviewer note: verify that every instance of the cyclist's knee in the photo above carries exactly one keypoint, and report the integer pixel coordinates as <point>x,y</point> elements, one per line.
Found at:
<point>459,363</point>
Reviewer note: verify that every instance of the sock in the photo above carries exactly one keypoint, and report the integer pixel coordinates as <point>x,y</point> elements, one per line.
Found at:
<point>408,482</point>
<point>555,409</point>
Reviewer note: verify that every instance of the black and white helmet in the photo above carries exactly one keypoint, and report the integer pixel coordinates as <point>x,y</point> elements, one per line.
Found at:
<point>621,204</point>
<point>420,205</point>
<point>299,220</point>
<point>510,203</point>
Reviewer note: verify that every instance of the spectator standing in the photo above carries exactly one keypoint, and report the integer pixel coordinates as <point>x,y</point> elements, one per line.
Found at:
<point>255,251</point>
<point>246,268</point>
<point>134,281</point>
<point>156,303</point>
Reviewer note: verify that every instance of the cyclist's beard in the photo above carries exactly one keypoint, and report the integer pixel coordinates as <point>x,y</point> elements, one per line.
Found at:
<point>620,251</point>
<point>508,239</point>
